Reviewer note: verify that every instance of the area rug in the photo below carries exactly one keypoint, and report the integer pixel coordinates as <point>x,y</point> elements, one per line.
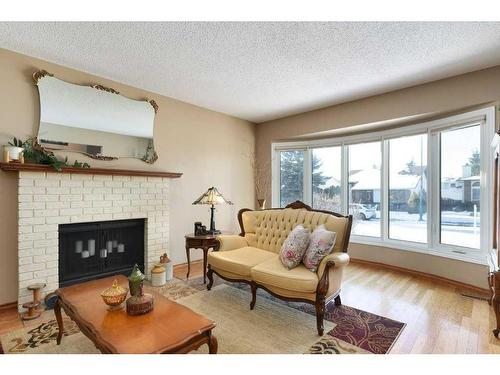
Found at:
<point>266,329</point>
<point>373,333</point>
<point>273,327</point>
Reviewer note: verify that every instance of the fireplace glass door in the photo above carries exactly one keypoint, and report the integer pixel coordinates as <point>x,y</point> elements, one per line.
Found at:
<point>93,250</point>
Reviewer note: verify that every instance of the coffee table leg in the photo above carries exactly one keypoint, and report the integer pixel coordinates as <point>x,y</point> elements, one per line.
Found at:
<point>60,324</point>
<point>212,344</point>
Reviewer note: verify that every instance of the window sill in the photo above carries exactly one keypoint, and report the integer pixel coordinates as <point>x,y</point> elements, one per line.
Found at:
<point>472,257</point>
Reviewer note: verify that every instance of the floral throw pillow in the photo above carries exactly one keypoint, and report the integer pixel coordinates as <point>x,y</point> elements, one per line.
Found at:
<point>321,244</point>
<point>294,247</point>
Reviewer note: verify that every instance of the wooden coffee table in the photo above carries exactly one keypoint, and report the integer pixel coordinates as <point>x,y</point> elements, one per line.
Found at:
<point>169,328</point>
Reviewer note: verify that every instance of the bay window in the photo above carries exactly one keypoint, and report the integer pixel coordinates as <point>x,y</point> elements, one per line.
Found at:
<point>424,188</point>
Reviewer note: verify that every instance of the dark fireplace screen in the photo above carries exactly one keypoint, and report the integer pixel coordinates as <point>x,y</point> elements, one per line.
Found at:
<point>90,251</point>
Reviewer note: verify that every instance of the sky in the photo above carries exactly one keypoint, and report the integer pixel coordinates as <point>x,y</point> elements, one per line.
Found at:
<point>456,148</point>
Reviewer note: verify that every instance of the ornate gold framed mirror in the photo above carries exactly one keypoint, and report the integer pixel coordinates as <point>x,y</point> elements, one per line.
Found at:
<point>94,120</point>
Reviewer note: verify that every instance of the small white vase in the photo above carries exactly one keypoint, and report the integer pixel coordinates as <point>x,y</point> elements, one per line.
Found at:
<point>14,152</point>
<point>169,270</point>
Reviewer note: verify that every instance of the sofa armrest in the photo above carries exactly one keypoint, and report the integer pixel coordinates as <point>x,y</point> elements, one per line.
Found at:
<point>339,260</point>
<point>330,272</point>
<point>231,242</point>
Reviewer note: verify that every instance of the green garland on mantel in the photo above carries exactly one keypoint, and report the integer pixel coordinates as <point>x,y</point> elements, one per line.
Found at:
<point>37,154</point>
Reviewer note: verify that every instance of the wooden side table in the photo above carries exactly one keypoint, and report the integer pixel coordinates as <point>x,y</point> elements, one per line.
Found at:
<point>204,242</point>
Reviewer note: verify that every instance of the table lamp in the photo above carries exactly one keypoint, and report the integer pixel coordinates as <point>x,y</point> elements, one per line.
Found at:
<point>212,197</point>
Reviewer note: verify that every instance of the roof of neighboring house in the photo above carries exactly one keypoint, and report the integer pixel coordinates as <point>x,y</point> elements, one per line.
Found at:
<point>450,179</point>
<point>369,179</point>
<point>471,178</point>
<point>331,182</point>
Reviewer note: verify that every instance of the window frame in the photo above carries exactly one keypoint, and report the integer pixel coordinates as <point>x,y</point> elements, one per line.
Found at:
<point>484,116</point>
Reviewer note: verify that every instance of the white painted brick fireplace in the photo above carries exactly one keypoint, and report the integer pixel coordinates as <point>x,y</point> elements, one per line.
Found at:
<point>48,199</point>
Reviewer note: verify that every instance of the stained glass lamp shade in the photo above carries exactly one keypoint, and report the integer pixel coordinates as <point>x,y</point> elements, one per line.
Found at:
<point>212,197</point>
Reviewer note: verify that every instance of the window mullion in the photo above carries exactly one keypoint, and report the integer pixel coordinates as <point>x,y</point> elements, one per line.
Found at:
<point>486,183</point>
<point>275,178</point>
<point>384,191</point>
<point>433,213</point>
<point>307,177</point>
<point>345,180</point>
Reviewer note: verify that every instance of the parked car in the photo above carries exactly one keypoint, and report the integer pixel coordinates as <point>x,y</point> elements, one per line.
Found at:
<point>362,211</point>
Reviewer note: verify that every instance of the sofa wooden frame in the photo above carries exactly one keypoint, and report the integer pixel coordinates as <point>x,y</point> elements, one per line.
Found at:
<point>322,288</point>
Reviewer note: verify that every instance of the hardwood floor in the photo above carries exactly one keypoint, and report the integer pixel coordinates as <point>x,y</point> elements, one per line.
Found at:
<point>439,319</point>
<point>9,320</point>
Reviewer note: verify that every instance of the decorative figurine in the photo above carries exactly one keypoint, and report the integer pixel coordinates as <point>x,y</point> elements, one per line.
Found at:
<point>140,302</point>
<point>169,266</point>
<point>135,279</point>
<point>164,258</point>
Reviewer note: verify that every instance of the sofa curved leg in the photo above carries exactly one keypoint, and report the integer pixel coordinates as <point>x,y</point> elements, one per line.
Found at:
<point>320,313</point>
<point>253,286</point>
<point>210,276</point>
<point>338,301</point>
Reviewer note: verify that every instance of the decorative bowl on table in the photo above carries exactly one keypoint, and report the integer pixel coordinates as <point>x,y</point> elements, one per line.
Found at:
<point>114,296</point>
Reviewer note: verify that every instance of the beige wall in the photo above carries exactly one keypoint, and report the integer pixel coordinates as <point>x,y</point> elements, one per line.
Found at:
<point>208,147</point>
<point>429,99</point>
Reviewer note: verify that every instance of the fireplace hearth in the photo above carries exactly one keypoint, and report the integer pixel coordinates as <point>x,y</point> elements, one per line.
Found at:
<point>93,250</point>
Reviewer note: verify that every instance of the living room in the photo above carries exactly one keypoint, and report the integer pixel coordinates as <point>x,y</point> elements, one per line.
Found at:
<point>249,187</point>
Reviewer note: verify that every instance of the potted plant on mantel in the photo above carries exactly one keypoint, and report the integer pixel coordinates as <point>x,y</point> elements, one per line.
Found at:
<point>14,149</point>
<point>34,153</point>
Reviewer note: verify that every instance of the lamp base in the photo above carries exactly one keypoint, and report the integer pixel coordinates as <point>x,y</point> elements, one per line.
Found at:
<point>214,231</point>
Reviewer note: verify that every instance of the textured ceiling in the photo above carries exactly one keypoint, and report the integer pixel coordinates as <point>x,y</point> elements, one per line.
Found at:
<point>262,70</point>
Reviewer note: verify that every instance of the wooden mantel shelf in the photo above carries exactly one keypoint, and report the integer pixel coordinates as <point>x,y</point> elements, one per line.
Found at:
<point>18,167</point>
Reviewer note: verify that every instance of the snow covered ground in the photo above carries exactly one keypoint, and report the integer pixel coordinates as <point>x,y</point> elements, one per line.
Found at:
<point>457,228</point>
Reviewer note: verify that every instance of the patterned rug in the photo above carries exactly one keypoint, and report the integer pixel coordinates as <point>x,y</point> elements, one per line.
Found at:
<point>373,333</point>
<point>354,331</point>
<point>362,329</point>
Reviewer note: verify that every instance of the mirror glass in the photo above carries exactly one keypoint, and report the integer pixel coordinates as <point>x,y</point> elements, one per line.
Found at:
<point>94,120</point>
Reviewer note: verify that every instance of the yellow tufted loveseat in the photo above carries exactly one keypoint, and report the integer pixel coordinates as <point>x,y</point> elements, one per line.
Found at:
<point>252,257</point>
